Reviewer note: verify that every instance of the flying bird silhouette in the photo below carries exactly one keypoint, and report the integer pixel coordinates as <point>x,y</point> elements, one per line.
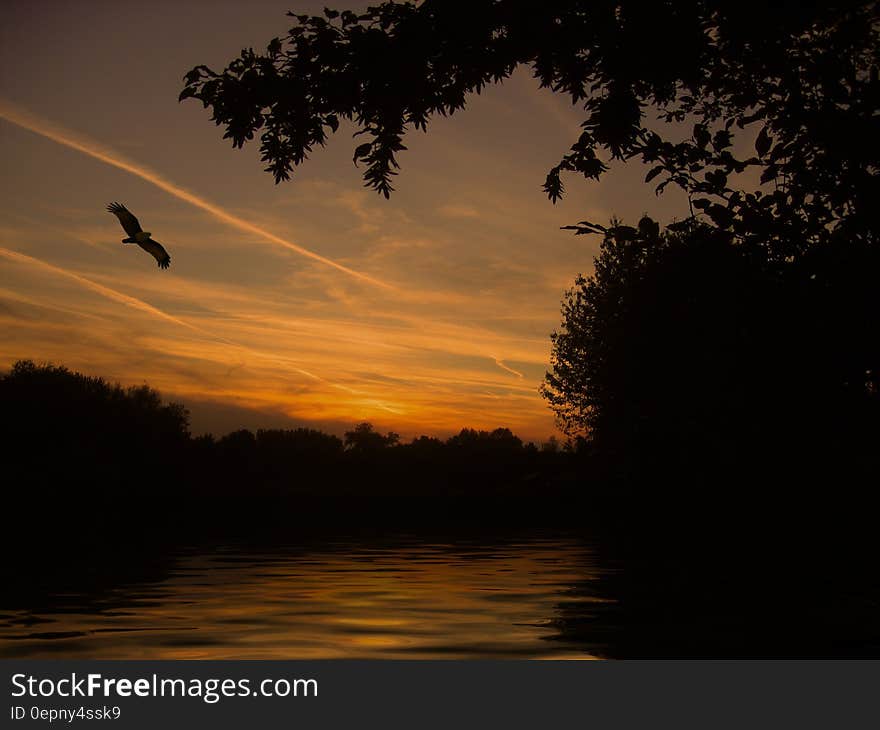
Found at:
<point>138,235</point>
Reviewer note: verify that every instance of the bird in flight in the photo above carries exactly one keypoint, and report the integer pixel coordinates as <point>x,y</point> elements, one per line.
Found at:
<point>139,236</point>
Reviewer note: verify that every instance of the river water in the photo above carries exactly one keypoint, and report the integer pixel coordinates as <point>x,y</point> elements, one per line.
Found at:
<point>395,597</point>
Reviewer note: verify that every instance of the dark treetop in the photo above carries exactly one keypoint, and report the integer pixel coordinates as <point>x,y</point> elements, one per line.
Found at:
<point>803,77</point>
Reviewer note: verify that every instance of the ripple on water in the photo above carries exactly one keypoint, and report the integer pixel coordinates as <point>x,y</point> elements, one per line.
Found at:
<point>407,599</point>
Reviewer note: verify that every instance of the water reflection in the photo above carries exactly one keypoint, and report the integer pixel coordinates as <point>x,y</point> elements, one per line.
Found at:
<point>403,598</point>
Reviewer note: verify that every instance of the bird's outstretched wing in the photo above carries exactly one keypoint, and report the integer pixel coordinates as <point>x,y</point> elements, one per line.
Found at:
<point>126,218</point>
<point>157,251</point>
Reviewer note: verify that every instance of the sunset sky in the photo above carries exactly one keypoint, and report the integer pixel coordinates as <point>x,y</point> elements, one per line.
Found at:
<point>315,302</point>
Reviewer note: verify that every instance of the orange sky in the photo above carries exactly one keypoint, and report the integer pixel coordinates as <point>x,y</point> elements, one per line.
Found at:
<point>315,302</point>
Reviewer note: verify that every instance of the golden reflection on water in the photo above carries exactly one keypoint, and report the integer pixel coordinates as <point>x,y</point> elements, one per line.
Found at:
<point>344,600</point>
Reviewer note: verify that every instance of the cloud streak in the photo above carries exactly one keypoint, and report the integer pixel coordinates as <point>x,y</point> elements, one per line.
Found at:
<point>510,370</point>
<point>147,308</point>
<point>94,286</point>
<point>139,304</point>
<point>25,120</point>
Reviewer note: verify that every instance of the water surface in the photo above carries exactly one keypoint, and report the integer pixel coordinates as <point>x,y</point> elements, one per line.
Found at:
<point>400,597</point>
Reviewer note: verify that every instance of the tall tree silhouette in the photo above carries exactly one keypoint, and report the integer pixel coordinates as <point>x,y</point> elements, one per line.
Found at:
<point>364,438</point>
<point>687,343</point>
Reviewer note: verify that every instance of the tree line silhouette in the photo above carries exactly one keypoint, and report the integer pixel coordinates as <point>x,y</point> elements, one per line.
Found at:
<point>87,459</point>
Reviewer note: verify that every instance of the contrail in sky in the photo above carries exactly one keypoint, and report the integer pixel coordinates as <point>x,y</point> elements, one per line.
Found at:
<point>500,364</point>
<point>24,119</point>
<point>130,301</point>
<point>94,286</point>
<point>139,304</point>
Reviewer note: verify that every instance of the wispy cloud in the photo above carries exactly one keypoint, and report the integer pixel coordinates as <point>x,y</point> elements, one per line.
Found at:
<point>508,369</point>
<point>453,210</point>
<point>143,306</point>
<point>136,303</point>
<point>104,291</point>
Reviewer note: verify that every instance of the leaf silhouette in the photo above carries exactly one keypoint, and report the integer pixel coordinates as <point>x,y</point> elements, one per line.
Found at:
<point>763,142</point>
